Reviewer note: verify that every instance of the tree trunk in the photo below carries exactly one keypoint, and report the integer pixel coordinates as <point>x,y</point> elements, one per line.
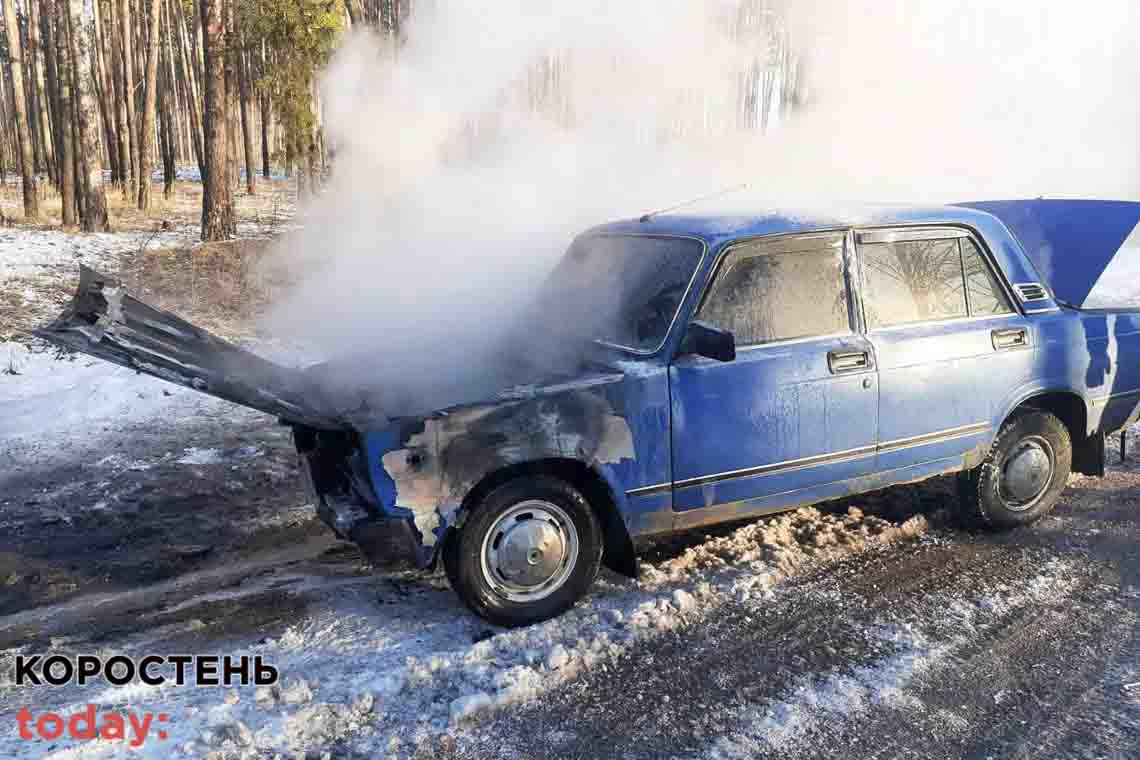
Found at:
<point>66,117</point>
<point>8,153</point>
<point>246,122</point>
<point>265,153</point>
<point>188,55</point>
<point>233,125</point>
<point>169,87</point>
<point>105,89</point>
<point>31,103</point>
<point>87,123</point>
<point>217,196</point>
<point>48,14</point>
<point>150,103</point>
<point>122,117</point>
<point>35,47</point>
<point>126,46</point>
<point>169,149</point>
<point>266,118</point>
<point>20,108</point>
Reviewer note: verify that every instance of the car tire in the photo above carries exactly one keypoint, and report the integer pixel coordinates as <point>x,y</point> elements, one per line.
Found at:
<point>526,552</point>
<point>1023,475</point>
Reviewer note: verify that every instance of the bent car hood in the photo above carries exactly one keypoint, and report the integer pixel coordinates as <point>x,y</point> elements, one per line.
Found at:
<point>1088,252</point>
<point>104,321</point>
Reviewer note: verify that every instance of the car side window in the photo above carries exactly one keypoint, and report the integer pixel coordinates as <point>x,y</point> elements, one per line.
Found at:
<point>781,289</point>
<point>982,288</point>
<point>926,279</point>
<point>912,281</point>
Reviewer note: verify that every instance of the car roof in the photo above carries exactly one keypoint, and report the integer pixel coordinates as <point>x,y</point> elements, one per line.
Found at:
<point>1071,243</point>
<point>723,226</point>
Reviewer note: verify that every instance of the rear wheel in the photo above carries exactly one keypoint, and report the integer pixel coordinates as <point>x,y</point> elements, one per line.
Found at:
<point>1023,476</point>
<point>527,552</point>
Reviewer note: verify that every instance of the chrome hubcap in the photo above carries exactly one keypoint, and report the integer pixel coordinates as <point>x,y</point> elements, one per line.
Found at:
<point>530,551</point>
<point>1027,473</point>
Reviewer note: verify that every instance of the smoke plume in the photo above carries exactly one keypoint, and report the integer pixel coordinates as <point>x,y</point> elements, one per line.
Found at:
<point>466,160</point>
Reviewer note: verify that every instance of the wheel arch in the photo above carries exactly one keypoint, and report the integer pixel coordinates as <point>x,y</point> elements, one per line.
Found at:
<point>1072,409</point>
<point>617,552</point>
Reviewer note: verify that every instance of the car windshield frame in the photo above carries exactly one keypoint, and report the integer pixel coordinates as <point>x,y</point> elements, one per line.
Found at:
<point>697,269</point>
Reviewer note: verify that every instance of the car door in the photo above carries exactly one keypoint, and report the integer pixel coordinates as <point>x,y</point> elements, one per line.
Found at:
<point>797,407</point>
<point>950,346</point>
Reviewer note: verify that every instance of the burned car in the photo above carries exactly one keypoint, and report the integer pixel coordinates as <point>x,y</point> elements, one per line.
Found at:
<point>730,366</point>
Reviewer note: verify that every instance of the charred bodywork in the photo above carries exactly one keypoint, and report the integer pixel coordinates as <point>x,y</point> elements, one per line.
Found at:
<point>660,437</point>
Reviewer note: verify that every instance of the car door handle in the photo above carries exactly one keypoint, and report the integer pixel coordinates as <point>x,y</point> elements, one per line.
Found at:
<point>847,361</point>
<point>1011,338</point>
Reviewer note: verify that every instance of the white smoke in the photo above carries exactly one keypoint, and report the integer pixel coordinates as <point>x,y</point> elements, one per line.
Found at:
<point>466,162</point>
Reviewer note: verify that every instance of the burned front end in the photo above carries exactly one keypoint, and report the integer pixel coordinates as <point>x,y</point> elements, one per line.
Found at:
<point>339,482</point>
<point>398,487</point>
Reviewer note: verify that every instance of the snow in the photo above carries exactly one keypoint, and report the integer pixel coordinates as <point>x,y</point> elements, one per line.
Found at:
<point>195,455</point>
<point>50,401</point>
<point>790,720</point>
<point>380,668</point>
<point>26,253</point>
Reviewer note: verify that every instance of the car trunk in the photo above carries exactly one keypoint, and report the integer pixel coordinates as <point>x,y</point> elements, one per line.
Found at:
<point>1087,251</point>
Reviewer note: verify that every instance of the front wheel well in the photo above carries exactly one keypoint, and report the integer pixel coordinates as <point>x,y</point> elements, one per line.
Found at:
<point>1070,408</point>
<point>618,554</point>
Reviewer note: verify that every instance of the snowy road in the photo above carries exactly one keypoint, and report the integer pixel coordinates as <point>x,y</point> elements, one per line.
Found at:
<point>139,517</point>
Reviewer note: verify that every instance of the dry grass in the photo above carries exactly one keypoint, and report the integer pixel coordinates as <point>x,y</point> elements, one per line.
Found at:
<point>11,314</point>
<point>217,286</point>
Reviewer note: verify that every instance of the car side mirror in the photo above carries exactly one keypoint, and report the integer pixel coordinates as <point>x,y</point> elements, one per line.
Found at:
<point>711,342</point>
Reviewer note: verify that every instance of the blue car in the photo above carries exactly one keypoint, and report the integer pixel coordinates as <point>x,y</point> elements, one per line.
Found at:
<point>723,367</point>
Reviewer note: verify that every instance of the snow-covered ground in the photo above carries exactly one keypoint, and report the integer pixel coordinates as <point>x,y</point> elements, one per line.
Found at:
<point>51,399</point>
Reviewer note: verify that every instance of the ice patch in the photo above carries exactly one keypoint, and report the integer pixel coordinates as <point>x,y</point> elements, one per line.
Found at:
<point>195,455</point>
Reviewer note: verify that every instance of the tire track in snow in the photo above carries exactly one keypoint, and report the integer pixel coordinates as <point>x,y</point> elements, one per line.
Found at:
<point>867,643</point>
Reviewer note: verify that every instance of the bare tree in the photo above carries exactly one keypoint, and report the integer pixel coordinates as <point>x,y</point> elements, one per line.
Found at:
<point>20,107</point>
<point>217,196</point>
<point>127,135</point>
<point>105,91</point>
<point>246,121</point>
<point>150,103</point>
<point>87,124</point>
<point>66,116</point>
<point>39,86</point>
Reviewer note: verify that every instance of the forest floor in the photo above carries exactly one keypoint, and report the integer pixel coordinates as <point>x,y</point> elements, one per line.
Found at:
<point>140,517</point>
<point>157,254</point>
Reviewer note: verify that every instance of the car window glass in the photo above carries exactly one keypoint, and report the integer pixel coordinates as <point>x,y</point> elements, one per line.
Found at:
<point>985,293</point>
<point>620,289</point>
<point>768,292</point>
<point>912,281</point>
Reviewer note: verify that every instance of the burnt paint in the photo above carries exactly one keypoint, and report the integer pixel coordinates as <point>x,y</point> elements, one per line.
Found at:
<point>617,423</point>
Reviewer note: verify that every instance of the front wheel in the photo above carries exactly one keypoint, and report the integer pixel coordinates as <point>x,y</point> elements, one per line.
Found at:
<point>527,552</point>
<point>1023,476</point>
